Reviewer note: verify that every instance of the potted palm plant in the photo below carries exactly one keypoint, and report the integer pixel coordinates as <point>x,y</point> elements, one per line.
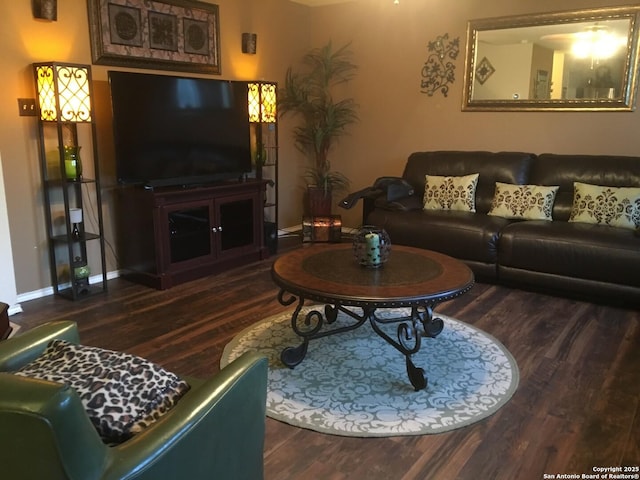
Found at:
<point>309,94</point>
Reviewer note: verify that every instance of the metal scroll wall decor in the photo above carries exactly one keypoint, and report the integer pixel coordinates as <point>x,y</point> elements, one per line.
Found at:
<point>438,71</point>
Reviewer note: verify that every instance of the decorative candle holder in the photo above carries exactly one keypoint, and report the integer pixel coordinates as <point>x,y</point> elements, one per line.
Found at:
<point>72,163</point>
<point>371,246</point>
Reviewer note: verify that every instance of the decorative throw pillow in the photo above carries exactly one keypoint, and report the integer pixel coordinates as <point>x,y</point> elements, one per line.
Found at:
<point>526,202</point>
<point>450,193</point>
<point>121,393</point>
<point>598,204</point>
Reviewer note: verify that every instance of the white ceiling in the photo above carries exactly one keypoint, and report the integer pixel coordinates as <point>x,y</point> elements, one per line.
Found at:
<point>318,3</point>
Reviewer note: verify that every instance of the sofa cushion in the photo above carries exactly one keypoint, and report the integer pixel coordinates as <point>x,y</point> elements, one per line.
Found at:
<point>576,250</point>
<point>613,206</point>
<point>528,202</point>
<point>470,237</point>
<point>121,393</point>
<point>450,193</point>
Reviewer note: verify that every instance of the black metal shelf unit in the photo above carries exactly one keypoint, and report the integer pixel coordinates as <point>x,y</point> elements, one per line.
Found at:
<point>264,121</point>
<point>70,179</point>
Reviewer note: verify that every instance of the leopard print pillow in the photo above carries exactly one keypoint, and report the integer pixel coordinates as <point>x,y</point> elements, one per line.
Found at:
<point>121,393</point>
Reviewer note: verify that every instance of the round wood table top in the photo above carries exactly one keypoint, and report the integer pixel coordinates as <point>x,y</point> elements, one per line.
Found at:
<point>329,273</point>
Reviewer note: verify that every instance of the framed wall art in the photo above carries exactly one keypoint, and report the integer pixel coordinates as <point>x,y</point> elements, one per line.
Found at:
<point>160,34</point>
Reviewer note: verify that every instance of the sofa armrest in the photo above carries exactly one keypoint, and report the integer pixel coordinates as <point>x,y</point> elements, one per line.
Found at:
<point>405,204</point>
<point>215,431</point>
<point>21,349</point>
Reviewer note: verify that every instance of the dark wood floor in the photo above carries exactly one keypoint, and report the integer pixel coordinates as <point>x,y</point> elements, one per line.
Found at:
<point>577,406</point>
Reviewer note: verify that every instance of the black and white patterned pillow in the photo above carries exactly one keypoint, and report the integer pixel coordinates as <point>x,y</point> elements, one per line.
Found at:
<point>605,205</point>
<point>121,393</point>
<point>450,193</point>
<point>525,202</point>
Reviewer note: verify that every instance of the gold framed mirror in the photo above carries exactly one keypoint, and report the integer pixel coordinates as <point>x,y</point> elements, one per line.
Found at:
<point>564,61</point>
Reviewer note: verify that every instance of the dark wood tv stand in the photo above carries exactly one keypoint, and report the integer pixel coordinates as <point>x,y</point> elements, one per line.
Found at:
<point>172,235</point>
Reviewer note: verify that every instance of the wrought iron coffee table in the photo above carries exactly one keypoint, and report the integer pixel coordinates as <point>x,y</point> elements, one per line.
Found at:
<point>330,275</point>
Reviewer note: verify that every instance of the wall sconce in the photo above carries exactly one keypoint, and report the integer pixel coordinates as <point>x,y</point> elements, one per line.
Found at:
<point>249,43</point>
<point>45,9</point>
<point>262,102</point>
<point>63,92</point>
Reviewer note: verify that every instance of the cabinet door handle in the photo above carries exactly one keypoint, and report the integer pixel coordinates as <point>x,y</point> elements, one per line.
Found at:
<point>220,228</point>
<point>214,230</point>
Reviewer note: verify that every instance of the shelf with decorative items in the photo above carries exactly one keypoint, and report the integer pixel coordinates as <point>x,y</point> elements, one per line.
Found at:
<point>70,179</point>
<point>264,144</point>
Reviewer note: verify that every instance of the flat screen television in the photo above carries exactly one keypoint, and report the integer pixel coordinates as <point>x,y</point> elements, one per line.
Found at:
<point>179,131</point>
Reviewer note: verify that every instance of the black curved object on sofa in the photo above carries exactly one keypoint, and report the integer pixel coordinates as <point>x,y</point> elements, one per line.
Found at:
<point>596,262</point>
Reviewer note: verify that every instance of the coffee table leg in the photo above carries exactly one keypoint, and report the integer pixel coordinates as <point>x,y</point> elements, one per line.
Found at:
<point>409,336</point>
<point>417,376</point>
<point>292,356</point>
<point>409,333</point>
<point>432,326</point>
<point>310,325</point>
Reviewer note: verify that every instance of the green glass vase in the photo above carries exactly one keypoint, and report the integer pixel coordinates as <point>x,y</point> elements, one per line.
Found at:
<point>72,163</point>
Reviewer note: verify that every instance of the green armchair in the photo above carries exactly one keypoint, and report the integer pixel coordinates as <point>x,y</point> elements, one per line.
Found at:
<point>216,431</point>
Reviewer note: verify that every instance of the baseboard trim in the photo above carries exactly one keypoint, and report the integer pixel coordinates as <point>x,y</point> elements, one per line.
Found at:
<point>45,292</point>
<point>13,309</point>
<point>283,232</point>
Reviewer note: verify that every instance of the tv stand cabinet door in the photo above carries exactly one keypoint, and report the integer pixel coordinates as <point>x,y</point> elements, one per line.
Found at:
<point>238,224</point>
<point>187,236</point>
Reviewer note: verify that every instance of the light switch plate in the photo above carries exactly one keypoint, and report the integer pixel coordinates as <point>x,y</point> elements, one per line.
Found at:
<point>27,107</point>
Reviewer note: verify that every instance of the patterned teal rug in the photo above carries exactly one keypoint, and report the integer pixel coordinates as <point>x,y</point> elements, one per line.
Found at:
<point>355,384</point>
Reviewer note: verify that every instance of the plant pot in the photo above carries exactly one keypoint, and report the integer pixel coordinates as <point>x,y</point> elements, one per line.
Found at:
<point>320,201</point>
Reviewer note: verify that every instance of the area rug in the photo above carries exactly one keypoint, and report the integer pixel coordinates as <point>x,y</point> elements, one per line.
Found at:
<point>355,384</point>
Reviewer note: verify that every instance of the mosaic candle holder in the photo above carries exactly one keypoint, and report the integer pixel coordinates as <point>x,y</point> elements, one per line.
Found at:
<point>371,246</point>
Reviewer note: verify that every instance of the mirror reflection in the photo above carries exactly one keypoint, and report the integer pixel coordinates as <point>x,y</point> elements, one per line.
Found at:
<point>584,60</point>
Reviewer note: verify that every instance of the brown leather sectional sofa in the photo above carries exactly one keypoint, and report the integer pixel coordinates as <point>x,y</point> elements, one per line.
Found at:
<point>595,262</point>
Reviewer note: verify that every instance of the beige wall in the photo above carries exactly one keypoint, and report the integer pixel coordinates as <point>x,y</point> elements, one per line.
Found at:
<point>396,119</point>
